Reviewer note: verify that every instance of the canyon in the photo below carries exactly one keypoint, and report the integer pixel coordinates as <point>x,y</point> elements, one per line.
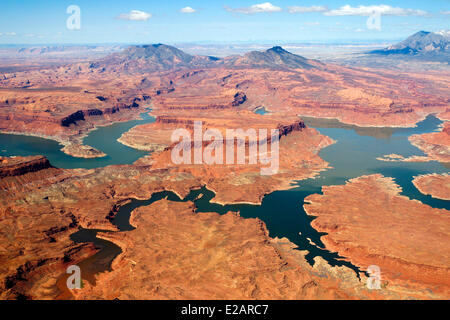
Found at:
<point>223,256</point>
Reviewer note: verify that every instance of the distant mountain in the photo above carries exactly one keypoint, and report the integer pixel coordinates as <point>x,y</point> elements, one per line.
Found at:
<point>155,57</point>
<point>275,57</point>
<point>157,53</point>
<point>69,50</point>
<point>160,57</point>
<point>423,44</point>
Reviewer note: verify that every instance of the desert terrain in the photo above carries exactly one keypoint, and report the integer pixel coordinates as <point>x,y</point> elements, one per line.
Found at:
<point>223,256</point>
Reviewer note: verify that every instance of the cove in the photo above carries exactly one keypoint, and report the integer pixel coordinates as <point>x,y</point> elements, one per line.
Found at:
<point>102,138</point>
<point>356,151</point>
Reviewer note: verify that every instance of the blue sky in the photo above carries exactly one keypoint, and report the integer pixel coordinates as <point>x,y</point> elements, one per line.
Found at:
<point>44,22</point>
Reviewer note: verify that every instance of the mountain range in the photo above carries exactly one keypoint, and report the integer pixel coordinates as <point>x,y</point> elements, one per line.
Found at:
<point>161,57</point>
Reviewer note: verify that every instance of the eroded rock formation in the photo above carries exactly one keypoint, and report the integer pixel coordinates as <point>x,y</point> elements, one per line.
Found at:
<point>370,223</point>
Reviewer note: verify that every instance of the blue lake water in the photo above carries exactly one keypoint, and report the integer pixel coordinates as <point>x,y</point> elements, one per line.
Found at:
<point>262,111</point>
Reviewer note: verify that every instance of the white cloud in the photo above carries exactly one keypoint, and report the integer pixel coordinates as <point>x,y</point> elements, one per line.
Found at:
<point>445,12</point>
<point>10,34</point>
<point>256,8</point>
<point>135,15</point>
<point>312,23</point>
<point>187,10</point>
<point>383,9</point>
<point>297,9</point>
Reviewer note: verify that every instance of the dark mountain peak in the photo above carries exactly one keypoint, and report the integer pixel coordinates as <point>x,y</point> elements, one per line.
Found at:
<point>277,49</point>
<point>276,57</point>
<point>420,33</point>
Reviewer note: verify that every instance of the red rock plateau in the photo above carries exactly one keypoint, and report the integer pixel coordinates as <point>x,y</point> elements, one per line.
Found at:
<point>435,185</point>
<point>370,223</point>
<point>436,146</point>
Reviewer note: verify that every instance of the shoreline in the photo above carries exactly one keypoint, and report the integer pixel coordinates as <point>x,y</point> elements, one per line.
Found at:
<point>76,141</point>
<point>370,126</point>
